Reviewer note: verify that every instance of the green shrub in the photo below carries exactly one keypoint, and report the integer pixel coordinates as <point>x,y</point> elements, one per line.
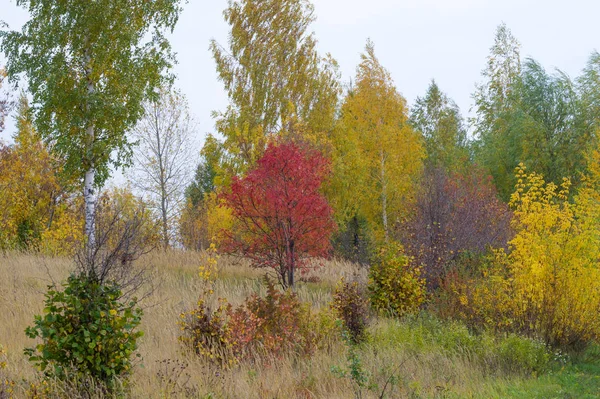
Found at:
<point>350,306</point>
<point>517,354</point>
<point>86,332</point>
<point>513,354</point>
<point>326,327</point>
<point>395,285</point>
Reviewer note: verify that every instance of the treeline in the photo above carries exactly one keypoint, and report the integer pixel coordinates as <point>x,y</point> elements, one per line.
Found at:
<point>501,223</point>
<point>392,167</point>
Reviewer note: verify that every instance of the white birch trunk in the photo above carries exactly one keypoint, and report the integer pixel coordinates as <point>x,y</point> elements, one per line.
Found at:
<point>162,181</point>
<point>89,195</point>
<point>89,192</point>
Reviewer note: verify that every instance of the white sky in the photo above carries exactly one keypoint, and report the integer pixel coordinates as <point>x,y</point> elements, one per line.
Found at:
<point>416,40</point>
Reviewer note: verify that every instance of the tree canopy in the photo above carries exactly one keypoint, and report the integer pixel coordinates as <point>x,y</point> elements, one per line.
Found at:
<point>89,66</point>
<point>273,76</point>
<point>377,154</point>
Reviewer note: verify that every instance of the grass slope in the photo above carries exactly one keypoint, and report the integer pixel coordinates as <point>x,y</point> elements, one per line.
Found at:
<point>419,357</point>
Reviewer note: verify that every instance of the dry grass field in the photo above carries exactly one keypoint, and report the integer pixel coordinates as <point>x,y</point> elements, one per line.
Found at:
<point>410,358</point>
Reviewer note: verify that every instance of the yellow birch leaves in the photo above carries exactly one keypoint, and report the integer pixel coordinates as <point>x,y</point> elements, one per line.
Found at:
<point>377,155</point>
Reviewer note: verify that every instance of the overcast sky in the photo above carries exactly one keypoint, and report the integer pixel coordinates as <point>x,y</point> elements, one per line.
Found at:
<point>416,40</point>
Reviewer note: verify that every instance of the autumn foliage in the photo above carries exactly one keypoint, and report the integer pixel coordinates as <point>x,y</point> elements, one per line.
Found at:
<point>554,262</point>
<point>281,218</point>
<point>454,214</point>
<point>4,100</point>
<point>547,284</point>
<point>37,209</point>
<point>395,284</point>
<point>377,156</point>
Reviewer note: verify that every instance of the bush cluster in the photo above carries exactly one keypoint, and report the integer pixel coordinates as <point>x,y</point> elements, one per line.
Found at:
<point>395,285</point>
<point>546,285</point>
<point>208,334</point>
<point>85,331</point>
<point>273,326</point>
<point>351,306</point>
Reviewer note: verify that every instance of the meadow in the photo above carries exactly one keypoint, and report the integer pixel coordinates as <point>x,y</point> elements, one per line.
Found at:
<point>417,356</point>
<point>481,232</point>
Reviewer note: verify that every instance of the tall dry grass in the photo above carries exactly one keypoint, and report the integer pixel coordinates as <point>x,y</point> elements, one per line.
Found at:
<point>168,372</point>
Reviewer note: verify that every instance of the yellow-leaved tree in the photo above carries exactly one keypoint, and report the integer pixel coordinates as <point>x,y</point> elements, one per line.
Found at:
<point>34,204</point>
<point>551,285</point>
<point>278,87</point>
<point>377,156</point>
<point>120,212</point>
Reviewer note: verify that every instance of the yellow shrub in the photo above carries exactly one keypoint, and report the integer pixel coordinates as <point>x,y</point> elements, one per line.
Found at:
<point>117,210</point>
<point>551,287</point>
<point>480,298</point>
<point>219,218</point>
<point>193,226</point>
<point>395,285</point>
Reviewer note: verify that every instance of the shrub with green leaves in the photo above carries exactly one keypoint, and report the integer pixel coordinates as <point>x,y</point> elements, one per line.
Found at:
<point>395,285</point>
<point>85,331</point>
<point>522,354</point>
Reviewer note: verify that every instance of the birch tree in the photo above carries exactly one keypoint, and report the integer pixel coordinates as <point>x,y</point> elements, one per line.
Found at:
<point>495,95</point>
<point>89,65</point>
<point>438,120</point>
<point>497,127</point>
<point>29,186</point>
<point>377,154</point>
<point>528,114</point>
<point>273,76</point>
<point>162,166</point>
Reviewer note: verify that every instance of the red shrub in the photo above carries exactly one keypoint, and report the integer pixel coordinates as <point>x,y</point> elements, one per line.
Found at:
<point>272,326</point>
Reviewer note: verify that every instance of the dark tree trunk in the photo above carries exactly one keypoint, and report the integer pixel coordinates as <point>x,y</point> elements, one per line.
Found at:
<point>291,265</point>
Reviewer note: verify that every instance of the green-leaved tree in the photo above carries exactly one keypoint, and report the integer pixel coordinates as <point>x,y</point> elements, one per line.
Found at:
<point>497,136</point>
<point>274,78</point>
<point>438,120</point>
<point>89,66</point>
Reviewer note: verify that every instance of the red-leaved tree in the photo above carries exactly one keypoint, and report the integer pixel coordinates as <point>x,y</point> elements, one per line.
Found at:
<point>281,217</point>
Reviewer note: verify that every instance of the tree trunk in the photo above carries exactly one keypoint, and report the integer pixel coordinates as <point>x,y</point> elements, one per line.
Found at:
<point>89,192</point>
<point>165,220</point>
<point>355,236</point>
<point>384,214</point>
<point>89,195</point>
<point>53,202</point>
<point>291,265</point>
<point>162,181</point>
